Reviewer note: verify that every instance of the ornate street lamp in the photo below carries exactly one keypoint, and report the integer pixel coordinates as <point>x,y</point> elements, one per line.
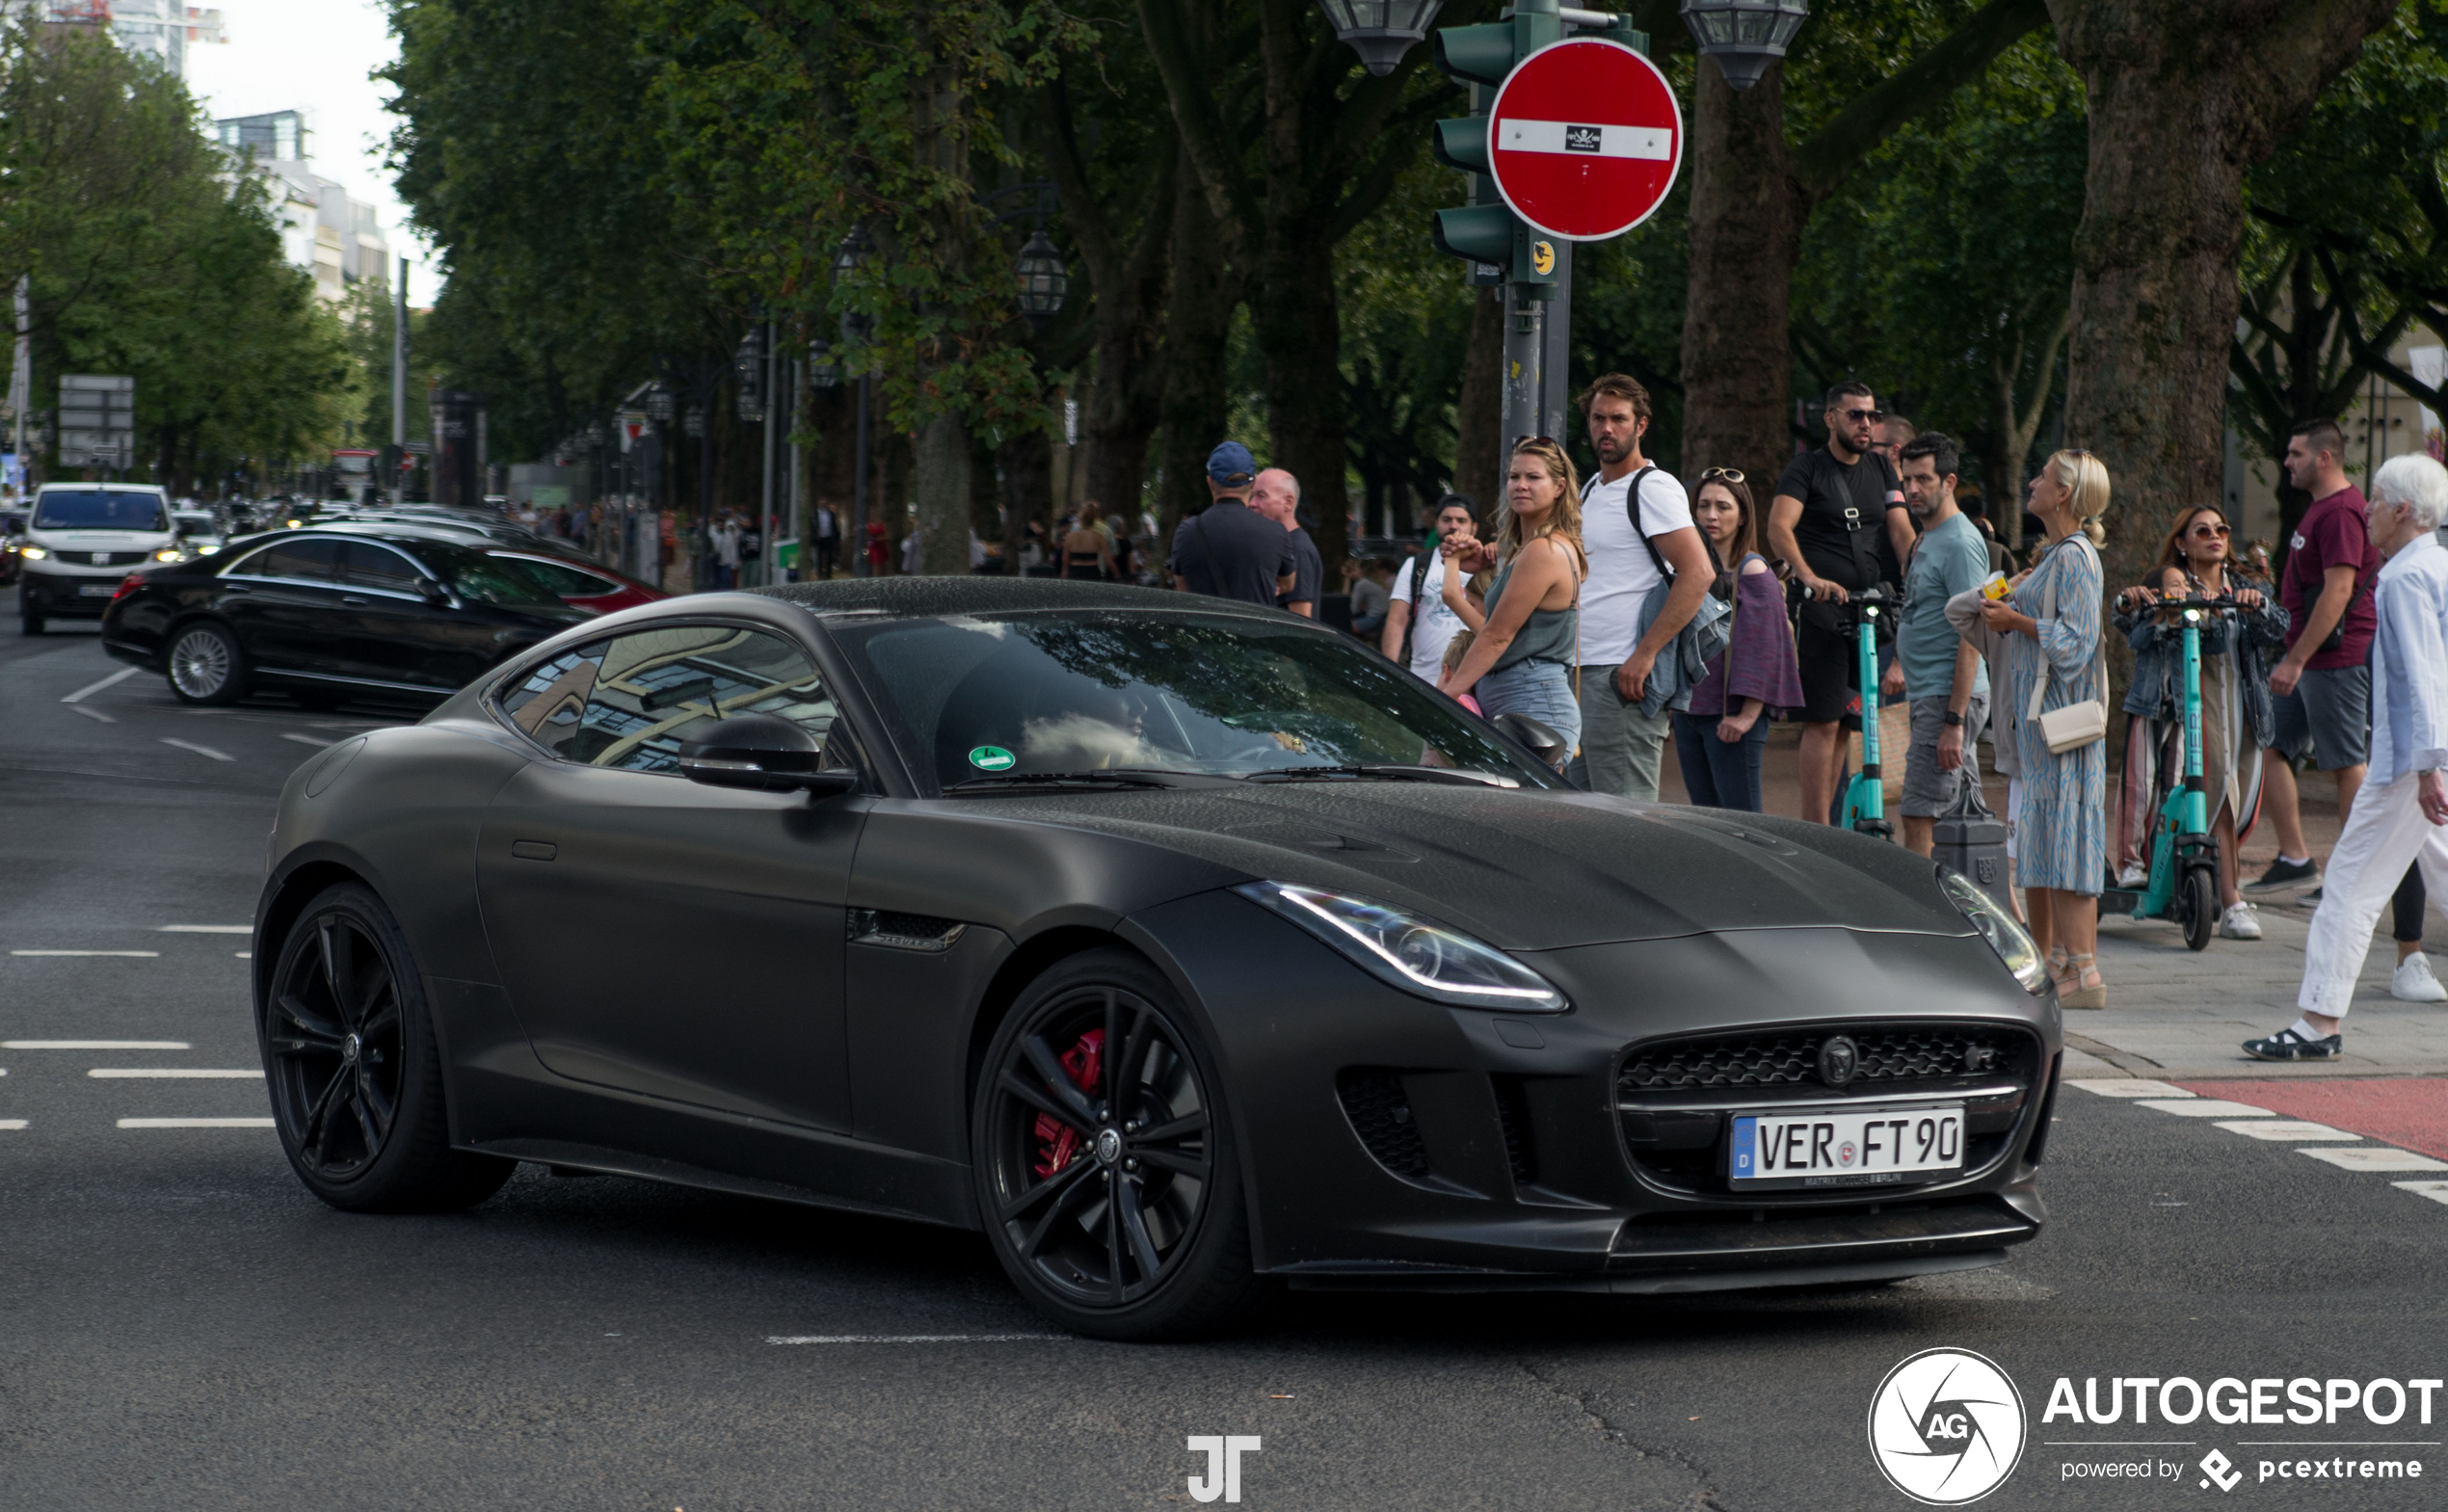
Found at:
<point>1743,36</point>
<point>1380,31</point>
<point>693,424</point>
<point>823,372</point>
<point>1043,281</point>
<point>847,260</point>
<point>658,404</point>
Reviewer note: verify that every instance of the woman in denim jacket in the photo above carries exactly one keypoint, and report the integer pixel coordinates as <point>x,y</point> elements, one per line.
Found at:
<point>2236,720</point>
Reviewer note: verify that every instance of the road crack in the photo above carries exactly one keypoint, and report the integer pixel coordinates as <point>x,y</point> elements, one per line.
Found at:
<point>1584,1404</point>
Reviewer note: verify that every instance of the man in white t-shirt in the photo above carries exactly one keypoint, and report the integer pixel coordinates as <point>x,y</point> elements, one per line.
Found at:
<point>1621,746</point>
<point>1421,581</point>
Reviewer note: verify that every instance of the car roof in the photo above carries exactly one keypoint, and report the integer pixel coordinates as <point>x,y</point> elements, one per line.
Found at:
<point>367,530</point>
<point>930,597</point>
<point>41,488</point>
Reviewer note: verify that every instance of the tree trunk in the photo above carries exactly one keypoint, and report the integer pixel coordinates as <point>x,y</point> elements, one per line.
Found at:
<point>1745,236</point>
<point>1302,335</point>
<point>1198,321</point>
<point>2183,97</point>
<point>1478,410</point>
<point>1026,460</point>
<point>941,490</point>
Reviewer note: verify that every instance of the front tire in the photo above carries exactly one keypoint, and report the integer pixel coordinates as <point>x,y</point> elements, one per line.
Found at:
<point>353,1073</point>
<point>2198,906</point>
<point>29,623</point>
<point>207,666</point>
<point>1107,1180</point>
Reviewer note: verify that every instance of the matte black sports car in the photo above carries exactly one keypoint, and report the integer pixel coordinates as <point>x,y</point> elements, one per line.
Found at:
<point>391,611</point>
<point>1181,946</point>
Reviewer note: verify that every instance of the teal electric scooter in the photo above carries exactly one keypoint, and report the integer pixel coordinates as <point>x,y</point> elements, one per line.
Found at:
<point>2184,855</point>
<point>1865,809</point>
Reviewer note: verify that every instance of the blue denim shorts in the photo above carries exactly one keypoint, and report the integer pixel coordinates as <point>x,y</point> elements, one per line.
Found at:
<point>1543,690</point>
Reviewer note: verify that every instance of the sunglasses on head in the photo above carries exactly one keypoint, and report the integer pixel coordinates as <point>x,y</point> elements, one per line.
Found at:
<point>1721,474</point>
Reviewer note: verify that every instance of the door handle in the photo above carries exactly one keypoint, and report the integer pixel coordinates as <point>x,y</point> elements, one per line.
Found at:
<point>534,850</point>
<point>350,598</point>
<point>234,589</point>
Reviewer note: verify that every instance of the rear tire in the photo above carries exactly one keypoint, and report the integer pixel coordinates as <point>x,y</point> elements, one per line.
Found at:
<point>354,1075</point>
<point>2198,906</point>
<point>1109,1183</point>
<point>205,665</point>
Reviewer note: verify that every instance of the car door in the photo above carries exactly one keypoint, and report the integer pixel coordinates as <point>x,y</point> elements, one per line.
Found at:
<point>398,635</point>
<point>657,934</point>
<point>284,603</point>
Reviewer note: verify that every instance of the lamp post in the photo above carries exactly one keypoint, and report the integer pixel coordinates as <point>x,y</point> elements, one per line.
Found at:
<point>1380,31</point>
<point>1743,36</point>
<point>1043,281</point>
<point>855,327</point>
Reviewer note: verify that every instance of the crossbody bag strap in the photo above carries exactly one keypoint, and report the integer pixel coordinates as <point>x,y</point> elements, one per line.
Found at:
<point>2047,668</point>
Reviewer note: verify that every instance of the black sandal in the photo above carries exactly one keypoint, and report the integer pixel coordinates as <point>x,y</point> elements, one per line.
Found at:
<point>2287,1045</point>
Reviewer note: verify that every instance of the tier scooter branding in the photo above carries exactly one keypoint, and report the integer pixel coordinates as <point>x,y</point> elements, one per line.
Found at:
<point>1946,1427</point>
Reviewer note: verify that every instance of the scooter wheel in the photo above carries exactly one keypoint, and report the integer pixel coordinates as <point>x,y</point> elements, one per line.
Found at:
<point>2198,908</point>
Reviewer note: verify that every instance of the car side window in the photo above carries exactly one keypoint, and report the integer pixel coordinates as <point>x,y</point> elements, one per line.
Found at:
<point>313,561</point>
<point>569,582</point>
<point>367,563</point>
<point>629,701</point>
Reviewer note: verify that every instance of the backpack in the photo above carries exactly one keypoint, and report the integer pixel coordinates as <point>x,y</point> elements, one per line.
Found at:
<point>1682,664</point>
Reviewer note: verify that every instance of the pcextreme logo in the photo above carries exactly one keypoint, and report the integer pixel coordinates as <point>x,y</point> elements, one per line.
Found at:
<point>1946,1427</point>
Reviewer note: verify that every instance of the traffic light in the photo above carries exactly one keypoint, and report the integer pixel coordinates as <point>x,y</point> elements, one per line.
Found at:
<point>1483,231</point>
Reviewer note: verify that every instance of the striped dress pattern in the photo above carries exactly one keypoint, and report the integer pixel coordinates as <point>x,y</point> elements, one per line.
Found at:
<point>2061,834</point>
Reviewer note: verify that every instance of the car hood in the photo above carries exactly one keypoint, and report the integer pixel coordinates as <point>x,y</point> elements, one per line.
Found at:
<point>1529,871</point>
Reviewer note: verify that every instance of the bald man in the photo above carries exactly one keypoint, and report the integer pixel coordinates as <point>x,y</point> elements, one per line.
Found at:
<point>1277,496</point>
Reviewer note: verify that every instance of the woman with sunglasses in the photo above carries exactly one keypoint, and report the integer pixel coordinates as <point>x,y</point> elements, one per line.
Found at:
<point>1528,638</point>
<point>1718,740</point>
<point>2235,719</point>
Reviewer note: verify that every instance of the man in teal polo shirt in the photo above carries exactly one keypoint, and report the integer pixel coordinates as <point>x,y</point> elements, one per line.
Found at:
<point>1938,672</point>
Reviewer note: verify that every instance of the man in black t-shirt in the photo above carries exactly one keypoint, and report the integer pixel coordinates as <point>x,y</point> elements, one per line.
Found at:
<point>1229,549</point>
<point>1839,519</point>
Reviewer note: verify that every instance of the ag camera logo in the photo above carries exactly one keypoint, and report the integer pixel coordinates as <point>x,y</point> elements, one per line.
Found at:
<point>1946,1427</point>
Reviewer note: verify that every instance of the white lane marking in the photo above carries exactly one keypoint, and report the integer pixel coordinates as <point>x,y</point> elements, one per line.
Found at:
<point>2437,1191</point>
<point>2134,1087</point>
<point>94,1044</point>
<point>908,1338</point>
<point>204,928</point>
<point>173,1074</point>
<point>195,1123</point>
<point>118,676</point>
<point>2204,1108</point>
<point>140,955</point>
<point>2375,1158</point>
<point>93,713</point>
<point>2278,1129</point>
<point>201,750</point>
<point>306,740</point>
<point>11,1122</point>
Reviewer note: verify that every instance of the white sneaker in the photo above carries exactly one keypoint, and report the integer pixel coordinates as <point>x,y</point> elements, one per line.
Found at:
<point>2135,875</point>
<point>2413,982</point>
<point>2240,922</point>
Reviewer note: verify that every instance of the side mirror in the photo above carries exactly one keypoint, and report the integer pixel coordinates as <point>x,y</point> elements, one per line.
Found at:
<point>431,591</point>
<point>1541,741</point>
<point>763,752</point>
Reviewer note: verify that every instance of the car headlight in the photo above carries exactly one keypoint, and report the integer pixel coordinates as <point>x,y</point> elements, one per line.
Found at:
<point>2013,942</point>
<point>168,554</point>
<point>32,554</point>
<point>1415,954</point>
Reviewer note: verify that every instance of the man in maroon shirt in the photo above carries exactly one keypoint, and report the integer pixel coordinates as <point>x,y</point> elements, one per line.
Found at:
<point>2324,682</point>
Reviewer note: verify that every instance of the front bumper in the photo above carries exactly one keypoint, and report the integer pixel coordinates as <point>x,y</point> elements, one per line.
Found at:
<point>1392,1141</point>
<point>59,593</point>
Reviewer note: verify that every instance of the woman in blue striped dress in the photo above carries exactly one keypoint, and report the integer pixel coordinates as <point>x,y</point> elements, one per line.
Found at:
<point>2061,829</point>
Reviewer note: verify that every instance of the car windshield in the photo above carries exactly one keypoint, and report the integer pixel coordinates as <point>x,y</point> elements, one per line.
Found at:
<point>486,579</point>
<point>1102,690</point>
<point>64,509</point>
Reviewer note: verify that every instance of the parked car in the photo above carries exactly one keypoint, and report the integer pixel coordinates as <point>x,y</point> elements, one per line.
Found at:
<point>583,584</point>
<point>326,611</point>
<point>1183,948</point>
<point>80,541</point>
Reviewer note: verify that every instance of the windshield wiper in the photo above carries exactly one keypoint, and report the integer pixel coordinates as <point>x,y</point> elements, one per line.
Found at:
<point>1466,777</point>
<point>1114,777</point>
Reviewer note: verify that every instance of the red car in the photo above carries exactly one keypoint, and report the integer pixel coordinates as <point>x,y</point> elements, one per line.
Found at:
<point>583,585</point>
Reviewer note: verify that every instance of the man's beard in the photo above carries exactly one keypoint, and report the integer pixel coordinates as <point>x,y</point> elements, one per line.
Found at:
<point>1610,450</point>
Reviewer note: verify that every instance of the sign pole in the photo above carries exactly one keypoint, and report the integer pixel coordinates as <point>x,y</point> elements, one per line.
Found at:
<point>399,384</point>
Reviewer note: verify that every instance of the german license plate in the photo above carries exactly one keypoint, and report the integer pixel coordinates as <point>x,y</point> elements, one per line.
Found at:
<point>1846,1147</point>
<point>96,590</point>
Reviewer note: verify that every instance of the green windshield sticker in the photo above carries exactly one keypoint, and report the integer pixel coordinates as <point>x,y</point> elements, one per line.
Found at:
<point>991,758</point>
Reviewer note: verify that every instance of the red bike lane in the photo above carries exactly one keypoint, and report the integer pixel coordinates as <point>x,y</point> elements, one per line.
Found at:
<point>2410,1112</point>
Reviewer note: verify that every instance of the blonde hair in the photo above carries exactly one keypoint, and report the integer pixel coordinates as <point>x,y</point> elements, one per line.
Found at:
<point>1564,519</point>
<point>2084,479</point>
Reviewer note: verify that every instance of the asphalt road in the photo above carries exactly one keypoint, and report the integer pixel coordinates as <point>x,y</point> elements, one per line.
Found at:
<point>182,1326</point>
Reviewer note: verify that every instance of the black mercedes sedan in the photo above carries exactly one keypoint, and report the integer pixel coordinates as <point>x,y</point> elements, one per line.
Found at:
<point>1186,948</point>
<point>388,611</point>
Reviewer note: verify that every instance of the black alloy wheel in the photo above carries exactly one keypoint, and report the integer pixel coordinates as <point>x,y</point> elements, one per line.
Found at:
<point>349,1057</point>
<point>1108,1181</point>
<point>205,665</point>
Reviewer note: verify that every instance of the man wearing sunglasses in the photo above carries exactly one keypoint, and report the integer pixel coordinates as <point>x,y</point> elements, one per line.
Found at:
<point>1838,519</point>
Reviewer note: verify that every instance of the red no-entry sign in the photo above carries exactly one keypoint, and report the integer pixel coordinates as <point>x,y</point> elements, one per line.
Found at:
<point>1585,139</point>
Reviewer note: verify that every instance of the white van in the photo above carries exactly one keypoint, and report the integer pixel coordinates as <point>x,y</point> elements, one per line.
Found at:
<point>80,539</point>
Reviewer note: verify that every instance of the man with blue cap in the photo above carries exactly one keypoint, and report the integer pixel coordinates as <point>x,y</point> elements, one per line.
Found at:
<point>1229,549</point>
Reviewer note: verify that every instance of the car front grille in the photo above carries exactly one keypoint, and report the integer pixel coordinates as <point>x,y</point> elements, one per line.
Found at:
<point>101,558</point>
<point>1775,1060</point>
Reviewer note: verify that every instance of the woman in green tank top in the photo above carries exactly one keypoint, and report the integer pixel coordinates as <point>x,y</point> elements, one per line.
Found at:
<point>1529,634</point>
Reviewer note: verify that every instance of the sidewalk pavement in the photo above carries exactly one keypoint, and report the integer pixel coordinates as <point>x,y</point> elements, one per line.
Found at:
<point>2177,1013</point>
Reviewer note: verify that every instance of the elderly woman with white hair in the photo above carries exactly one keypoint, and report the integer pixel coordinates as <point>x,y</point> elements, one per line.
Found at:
<point>2398,813</point>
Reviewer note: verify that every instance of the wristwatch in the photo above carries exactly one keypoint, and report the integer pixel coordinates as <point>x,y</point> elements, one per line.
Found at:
<point>1954,717</point>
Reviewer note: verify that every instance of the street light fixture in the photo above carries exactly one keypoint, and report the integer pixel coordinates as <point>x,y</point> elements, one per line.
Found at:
<point>1743,36</point>
<point>660,404</point>
<point>693,424</point>
<point>847,260</point>
<point>823,372</point>
<point>1380,31</point>
<point>1043,281</point>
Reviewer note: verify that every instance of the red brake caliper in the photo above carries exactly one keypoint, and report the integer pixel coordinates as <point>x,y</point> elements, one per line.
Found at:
<point>1057,1142</point>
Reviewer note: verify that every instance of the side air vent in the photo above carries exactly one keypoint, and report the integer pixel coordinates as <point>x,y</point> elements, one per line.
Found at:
<point>1380,1113</point>
<point>1512,1117</point>
<point>903,931</point>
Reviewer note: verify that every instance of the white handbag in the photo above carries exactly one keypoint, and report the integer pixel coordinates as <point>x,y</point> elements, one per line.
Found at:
<point>2075,726</point>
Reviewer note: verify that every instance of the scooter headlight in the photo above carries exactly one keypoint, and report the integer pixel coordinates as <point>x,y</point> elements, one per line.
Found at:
<point>2013,942</point>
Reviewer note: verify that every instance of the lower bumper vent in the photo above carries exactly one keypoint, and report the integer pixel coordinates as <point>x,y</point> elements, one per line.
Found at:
<point>1380,1113</point>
